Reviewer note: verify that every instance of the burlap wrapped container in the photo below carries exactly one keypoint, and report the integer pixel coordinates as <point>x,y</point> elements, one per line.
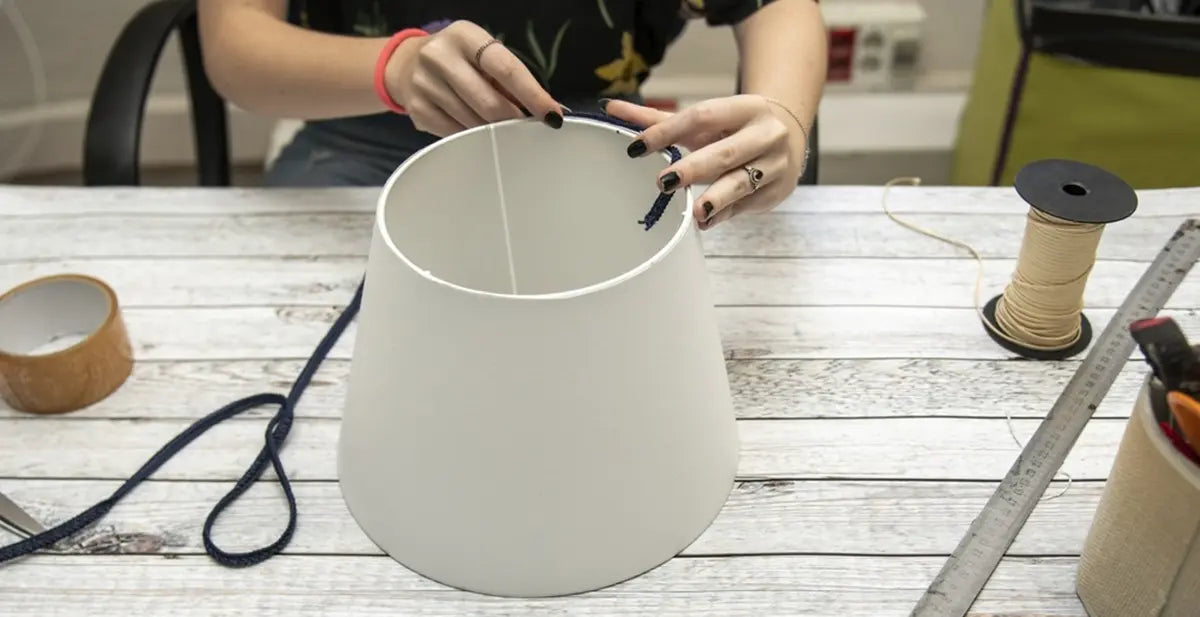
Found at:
<point>1141,557</point>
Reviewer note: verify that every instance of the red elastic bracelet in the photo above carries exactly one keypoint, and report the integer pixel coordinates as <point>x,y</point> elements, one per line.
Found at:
<point>385,54</point>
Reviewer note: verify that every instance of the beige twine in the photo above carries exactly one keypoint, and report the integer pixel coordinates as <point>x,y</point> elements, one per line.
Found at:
<point>1040,307</point>
<point>1042,302</point>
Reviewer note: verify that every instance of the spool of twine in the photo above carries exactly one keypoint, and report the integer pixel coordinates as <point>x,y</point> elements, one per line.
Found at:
<point>1042,303</point>
<point>1040,313</point>
<point>1041,306</point>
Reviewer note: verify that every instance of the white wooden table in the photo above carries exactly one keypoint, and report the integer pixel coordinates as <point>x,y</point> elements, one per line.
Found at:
<point>871,404</point>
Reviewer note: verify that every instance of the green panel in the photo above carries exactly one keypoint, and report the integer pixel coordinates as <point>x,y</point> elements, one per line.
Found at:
<point>1143,126</point>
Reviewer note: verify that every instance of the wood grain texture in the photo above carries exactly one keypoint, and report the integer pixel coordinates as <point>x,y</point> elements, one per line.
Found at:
<point>871,401</point>
<point>326,281</point>
<point>210,333</point>
<point>782,586</point>
<point>873,448</point>
<point>760,518</point>
<point>52,201</point>
<point>761,388</point>
<point>774,234</point>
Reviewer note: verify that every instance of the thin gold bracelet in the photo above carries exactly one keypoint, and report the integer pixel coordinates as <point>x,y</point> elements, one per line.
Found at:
<point>804,131</point>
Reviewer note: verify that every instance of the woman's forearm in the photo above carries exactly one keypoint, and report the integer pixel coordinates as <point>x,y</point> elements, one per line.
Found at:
<point>261,63</point>
<point>784,48</point>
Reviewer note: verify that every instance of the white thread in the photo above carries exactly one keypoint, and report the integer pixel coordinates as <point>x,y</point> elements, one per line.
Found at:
<point>915,181</point>
<point>512,268</point>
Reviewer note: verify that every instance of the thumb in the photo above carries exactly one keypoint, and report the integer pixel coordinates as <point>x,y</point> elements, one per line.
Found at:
<point>633,113</point>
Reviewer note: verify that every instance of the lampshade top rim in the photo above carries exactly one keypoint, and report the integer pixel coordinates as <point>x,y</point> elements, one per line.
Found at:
<point>676,237</point>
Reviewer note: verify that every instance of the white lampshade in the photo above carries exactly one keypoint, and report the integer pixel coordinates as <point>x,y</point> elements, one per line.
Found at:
<point>538,403</point>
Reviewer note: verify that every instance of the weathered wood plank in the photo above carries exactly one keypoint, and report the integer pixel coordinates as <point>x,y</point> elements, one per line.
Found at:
<point>873,448</point>
<point>323,234</point>
<point>896,388</point>
<point>759,518</point>
<point>31,201</point>
<point>824,252</point>
<point>960,200</point>
<point>761,388</point>
<point>734,280</point>
<point>747,332</point>
<point>246,281</point>
<point>872,332</point>
<point>287,586</point>
<point>931,282</point>
<point>870,235</point>
<point>64,201</point>
<point>162,235</point>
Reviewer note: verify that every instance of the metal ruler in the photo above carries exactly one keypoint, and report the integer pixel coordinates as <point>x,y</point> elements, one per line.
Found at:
<point>972,563</point>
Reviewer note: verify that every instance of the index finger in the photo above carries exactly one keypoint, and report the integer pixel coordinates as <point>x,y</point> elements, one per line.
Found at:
<point>498,62</point>
<point>713,116</point>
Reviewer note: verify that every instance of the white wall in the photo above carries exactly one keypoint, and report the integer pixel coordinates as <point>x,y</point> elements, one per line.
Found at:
<point>74,37</point>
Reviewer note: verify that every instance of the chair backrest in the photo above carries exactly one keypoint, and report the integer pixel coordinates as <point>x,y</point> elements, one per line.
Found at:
<point>114,126</point>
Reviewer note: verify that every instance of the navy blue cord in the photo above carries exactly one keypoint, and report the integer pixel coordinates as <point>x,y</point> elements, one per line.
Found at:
<point>276,432</point>
<point>664,199</point>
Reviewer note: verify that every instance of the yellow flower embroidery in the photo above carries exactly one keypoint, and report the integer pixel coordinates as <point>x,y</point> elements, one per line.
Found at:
<point>623,72</point>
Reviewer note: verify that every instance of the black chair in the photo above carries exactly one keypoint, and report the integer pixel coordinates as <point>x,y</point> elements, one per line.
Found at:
<point>114,125</point>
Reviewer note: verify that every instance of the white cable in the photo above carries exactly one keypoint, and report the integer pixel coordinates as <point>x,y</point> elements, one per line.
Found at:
<point>12,164</point>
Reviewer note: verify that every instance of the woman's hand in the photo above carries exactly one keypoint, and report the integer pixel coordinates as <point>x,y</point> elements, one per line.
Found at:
<point>724,135</point>
<point>461,77</point>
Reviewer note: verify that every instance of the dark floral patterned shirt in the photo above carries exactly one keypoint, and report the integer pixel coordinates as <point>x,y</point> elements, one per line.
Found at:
<point>574,47</point>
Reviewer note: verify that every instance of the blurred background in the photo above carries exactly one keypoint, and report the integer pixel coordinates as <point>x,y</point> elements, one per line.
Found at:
<point>914,85</point>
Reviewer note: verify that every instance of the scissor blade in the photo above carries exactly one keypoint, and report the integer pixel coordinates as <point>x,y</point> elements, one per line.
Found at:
<point>4,526</point>
<point>14,516</point>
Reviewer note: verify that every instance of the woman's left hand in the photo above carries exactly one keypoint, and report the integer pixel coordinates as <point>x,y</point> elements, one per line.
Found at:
<point>724,137</point>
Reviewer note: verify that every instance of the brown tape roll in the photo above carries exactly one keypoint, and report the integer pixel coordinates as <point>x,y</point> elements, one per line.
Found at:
<point>63,344</point>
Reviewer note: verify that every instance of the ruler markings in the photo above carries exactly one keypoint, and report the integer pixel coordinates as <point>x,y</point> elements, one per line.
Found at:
<point>972,563</point>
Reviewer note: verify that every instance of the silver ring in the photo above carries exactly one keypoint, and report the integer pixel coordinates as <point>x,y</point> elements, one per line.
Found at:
<point>479,52</point>
<point>756,177</point>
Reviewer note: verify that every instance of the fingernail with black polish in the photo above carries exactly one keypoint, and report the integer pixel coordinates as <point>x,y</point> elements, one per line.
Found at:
<point>670,181</point>
<point>708,210</point>
<point>604,104</point>
<point>554,120</point>
<point>636,149</point>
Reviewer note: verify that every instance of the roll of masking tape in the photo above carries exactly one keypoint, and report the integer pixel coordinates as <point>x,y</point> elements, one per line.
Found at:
<point>63,344</point>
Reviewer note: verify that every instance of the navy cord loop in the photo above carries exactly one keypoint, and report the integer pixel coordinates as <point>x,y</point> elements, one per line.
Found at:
<point>275,435</point>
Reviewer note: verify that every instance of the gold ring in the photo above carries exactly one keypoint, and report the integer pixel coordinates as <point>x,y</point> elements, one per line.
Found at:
<point>479,52</point>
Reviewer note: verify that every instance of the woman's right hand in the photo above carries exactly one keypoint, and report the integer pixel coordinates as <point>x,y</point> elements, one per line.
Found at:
<point>444,91</point>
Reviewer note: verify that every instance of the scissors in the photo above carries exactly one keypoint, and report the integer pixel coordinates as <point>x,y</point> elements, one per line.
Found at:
<point>18,520</point>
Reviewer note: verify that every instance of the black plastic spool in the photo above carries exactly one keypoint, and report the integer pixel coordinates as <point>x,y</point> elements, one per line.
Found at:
<point>1076,192</point>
